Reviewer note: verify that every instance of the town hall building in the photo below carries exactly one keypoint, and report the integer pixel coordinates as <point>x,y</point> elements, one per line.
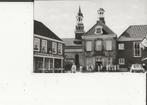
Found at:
<point>96,47</point>
<point>99,45</point>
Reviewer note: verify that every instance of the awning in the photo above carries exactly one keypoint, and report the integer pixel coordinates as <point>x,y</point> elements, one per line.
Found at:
<point>143,43</point>
<point>144,59</point>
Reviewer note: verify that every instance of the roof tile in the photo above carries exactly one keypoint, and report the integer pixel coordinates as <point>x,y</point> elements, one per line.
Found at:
<point>134,31</point>
<point>41,29</point>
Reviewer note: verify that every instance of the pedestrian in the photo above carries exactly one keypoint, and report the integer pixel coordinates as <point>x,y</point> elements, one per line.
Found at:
<point>90,68</point>
<point>144,66</point>
<point>81,68</point>
<point>73,68</point>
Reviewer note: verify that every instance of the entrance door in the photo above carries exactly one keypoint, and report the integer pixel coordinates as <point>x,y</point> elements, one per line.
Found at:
<point>98,63</point>
<point>77,61</point>
<point>38,64</point>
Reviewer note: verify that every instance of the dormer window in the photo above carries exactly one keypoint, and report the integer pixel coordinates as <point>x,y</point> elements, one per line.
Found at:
<point>98,30</point>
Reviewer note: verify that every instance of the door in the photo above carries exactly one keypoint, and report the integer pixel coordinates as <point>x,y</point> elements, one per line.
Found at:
<point>77,61</point>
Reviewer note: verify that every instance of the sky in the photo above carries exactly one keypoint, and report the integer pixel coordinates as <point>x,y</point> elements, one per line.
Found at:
<point>60,15</point>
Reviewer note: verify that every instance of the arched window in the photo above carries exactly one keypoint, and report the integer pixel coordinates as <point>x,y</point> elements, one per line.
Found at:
<point>137,49</point>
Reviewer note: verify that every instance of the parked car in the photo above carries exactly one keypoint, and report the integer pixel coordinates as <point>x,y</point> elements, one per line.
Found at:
<point>137,68</point>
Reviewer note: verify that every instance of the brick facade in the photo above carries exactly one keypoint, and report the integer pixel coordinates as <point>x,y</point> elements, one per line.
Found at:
<point>48,50</point>
<point>133,34</point>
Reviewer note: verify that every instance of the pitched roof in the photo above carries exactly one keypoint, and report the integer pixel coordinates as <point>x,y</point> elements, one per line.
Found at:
<point>41,29</point>
<point>80,13</point>
<point>134,32</point>
<point>69,42</point>
<point>105,28</point>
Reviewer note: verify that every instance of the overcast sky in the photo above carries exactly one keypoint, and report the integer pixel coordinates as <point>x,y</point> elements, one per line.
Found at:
<point>60,16</point>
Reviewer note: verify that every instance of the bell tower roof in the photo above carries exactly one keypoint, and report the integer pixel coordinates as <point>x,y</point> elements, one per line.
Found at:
<point>80,13</point>
<point>79,28</point>
<point>101,15</point>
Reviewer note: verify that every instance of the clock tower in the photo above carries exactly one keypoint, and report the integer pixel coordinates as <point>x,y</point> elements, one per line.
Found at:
<point>79,29</point>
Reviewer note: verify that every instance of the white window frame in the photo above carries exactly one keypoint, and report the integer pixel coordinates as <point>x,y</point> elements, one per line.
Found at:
<point>49,45</point>
<point>98,27</point>
<point>37,42</point>
<point>121,46</point>
<point>107,48</point>
<point>121,61</point>
<point>89,48</point>
<point>44,44</point>
<point>54,47</point>
<point>98,44</point>
<point>134,50</point>
<point>60,48</point>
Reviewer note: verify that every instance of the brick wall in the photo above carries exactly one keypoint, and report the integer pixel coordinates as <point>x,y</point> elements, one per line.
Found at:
<point>127,54</point>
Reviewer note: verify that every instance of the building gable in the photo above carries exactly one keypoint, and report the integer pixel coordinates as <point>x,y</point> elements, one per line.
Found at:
<point>105,29</point>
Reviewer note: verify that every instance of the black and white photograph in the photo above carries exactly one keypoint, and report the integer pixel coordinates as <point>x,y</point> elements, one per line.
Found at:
<point>89,36</point>
<point>73,52</point>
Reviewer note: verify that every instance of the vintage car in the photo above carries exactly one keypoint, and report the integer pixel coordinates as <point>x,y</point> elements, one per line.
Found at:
<point>137,68</point>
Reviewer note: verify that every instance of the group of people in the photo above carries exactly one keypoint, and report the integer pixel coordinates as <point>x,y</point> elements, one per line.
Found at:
<point>98,68</point>
<point>74,68</point>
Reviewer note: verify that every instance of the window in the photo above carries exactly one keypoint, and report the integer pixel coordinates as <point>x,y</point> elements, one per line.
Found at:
<point>108,45</point>
<point>60,47</point>
<point>44,46</point>
<point>57,63</point>
<point>36,44</point>
<point>54,47</point>
<point>121,46</point>
<point>51,63</point>
<point>121,61</point>
<point>109,61</point>
<point>98,46</point>
<point>89,46</point>
<point>137,49</point>
<point>49,46</point>
<point>98,30</point>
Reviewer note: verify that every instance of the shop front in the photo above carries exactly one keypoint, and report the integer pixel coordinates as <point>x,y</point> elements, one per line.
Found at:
<point>47,64</point>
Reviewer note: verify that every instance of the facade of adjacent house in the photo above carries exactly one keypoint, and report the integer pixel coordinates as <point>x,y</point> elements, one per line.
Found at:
<point>129,50</point>
<point>143,45</point>
<point>48,49</point>
<point>99,44</point>
<point>73,46</point>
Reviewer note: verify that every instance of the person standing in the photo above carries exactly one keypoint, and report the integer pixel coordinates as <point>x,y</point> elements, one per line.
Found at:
<point>73,68</point>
